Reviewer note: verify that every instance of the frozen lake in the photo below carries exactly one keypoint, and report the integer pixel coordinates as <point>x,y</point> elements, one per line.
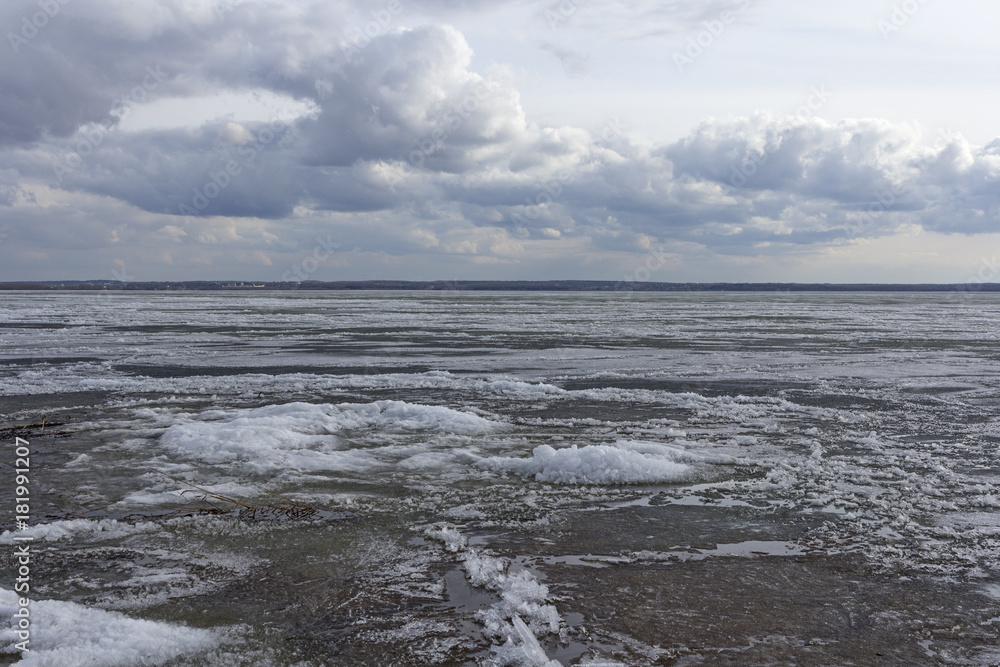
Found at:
<point>376,478</point>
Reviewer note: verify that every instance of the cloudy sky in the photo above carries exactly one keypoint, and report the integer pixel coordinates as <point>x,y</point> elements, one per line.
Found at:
<point>677,140</point>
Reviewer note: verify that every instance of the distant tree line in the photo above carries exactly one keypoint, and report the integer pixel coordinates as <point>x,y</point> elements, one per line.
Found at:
<point>492,286</point>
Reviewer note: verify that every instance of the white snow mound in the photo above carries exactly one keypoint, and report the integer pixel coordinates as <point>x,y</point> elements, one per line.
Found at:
<point>625,462</point>
<point>65,634</point>
<point>304,435</point>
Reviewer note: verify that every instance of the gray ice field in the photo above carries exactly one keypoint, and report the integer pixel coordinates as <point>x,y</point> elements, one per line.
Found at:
<point>505,479</point>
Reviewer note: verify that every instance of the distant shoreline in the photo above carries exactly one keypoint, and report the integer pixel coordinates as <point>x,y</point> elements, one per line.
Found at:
<point>486,286</point>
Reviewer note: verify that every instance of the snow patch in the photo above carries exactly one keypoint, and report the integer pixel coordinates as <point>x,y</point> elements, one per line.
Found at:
<point>522,388</point>
<point>79,529</point>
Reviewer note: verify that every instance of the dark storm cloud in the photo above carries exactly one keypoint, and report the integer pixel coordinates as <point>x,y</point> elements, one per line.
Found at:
<point>90,56</point>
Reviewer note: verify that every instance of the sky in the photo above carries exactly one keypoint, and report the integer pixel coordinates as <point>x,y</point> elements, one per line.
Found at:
<point>679,140</point>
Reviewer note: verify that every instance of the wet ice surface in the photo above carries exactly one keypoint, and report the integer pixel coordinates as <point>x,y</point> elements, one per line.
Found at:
<point>672,479</point>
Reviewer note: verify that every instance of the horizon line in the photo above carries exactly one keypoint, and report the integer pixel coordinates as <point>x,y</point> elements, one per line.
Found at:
<point>566,285</point>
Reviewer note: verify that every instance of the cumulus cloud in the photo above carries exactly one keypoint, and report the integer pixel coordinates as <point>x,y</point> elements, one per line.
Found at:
<point>866,176</point>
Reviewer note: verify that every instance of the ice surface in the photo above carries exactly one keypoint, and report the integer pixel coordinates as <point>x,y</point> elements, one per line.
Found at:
<point>65,634</point>
<point>865,422</point>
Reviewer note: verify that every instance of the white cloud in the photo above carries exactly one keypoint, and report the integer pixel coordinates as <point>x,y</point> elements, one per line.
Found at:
<point>412,152</point>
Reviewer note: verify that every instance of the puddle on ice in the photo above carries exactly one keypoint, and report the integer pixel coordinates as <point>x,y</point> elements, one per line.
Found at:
<point>755,548</point>
<point>748,549</point>
<point>462,596</point>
